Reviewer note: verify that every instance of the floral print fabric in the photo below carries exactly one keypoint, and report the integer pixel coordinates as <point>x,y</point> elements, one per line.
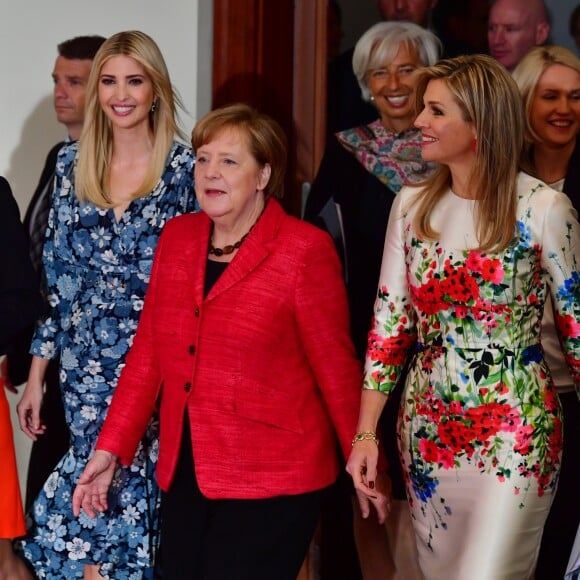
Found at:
<point>393,158</point>
<point>480,409</point>
<point>98,269</point>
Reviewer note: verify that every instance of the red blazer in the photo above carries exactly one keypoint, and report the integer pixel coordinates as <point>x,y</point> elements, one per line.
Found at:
<point>264,364</point>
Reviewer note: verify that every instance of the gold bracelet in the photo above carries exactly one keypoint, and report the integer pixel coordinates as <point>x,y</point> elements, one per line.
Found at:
<point>365,436</point>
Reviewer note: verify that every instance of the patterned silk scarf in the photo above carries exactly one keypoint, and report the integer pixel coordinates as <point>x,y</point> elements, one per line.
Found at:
<point>394,158</point>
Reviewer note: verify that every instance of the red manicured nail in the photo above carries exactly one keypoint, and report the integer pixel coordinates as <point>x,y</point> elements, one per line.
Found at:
<point>371,485</point>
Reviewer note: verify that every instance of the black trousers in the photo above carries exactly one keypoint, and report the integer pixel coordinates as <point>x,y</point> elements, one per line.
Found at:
<point>205,539</point>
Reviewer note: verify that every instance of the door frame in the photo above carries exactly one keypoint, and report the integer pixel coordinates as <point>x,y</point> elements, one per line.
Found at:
<point>272,56</point>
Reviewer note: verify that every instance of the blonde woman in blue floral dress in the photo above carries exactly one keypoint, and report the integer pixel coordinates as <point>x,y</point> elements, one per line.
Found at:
<point>470,258</point>
<point>114,192</point>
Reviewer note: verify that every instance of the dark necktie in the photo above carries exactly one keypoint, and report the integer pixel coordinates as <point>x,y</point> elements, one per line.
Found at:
<point>38,226</point>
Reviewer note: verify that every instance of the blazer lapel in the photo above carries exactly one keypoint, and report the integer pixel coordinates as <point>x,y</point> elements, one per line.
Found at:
<point>255,249</point>
<point>195,255</point>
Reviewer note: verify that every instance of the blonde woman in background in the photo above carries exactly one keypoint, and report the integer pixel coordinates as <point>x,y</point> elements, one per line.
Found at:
<point>549,81</point>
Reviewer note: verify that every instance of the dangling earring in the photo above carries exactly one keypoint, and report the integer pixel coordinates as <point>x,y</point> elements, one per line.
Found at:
<point>153,106</point>
<point>474,145</point>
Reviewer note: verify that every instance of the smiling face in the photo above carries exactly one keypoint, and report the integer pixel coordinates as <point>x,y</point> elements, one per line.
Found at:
<point>555,106</point>
<point>125,93</point>
<point>446,137</point>
<point>393,89</point>
<point>229,183</point>
<point>70,78</point>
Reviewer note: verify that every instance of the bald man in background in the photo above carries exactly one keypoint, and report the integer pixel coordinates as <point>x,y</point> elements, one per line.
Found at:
<point>514,27</point>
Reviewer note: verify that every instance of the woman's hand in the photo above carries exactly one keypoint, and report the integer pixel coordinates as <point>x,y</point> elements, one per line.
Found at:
<point>28,410</point>
<point>28,407</point>
<point>93,485</point>
<point>362,466</point>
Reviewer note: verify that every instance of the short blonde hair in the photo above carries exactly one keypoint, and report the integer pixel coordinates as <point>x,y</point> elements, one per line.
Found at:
<point>489,100</point>
<point>381,42</point>
<point>96,142</point>
<point>266,139</point>
<point>527,76</point>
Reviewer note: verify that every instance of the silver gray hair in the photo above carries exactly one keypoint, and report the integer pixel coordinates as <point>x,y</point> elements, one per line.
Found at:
<point>380,43</point>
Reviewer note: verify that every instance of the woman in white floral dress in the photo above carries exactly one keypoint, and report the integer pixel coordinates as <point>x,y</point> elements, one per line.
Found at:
<point>470,258</point>
<point>114,192</point>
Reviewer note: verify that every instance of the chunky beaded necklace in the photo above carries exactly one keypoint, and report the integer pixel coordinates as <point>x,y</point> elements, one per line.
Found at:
<point>229,249</point>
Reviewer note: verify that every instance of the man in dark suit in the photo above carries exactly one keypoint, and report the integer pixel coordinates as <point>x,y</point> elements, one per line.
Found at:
<point>70,75</point>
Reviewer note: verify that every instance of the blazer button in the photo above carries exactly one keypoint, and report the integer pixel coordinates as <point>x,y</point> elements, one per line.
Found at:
<point>187,387</point>
<point>191,349</point>
<point>197,312</point>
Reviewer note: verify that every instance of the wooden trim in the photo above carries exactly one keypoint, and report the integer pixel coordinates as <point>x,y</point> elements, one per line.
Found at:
<point>253,63</point>
<point>310,82</point>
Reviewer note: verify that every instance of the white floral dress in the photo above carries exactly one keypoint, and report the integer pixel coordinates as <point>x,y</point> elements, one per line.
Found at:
<point>97,271</point>
<point>480,431</point>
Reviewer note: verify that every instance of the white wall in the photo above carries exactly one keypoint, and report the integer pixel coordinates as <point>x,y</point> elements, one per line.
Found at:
<point>29,33</point>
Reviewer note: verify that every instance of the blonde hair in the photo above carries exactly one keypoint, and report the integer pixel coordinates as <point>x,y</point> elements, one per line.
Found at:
<point>527,76</point>
<point>265,137</point>
<point>488,98</point>
<point>96,141</point>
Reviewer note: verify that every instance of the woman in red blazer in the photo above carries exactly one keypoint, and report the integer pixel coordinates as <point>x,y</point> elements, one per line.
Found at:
<point>244,341</point>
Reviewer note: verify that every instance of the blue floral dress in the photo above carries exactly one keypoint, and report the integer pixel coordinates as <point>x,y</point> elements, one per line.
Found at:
<point>480,431</point>
<point>98,270</point>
